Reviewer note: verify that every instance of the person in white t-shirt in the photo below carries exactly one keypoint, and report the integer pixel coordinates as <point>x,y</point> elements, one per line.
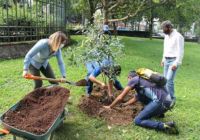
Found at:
<point>172,55</point>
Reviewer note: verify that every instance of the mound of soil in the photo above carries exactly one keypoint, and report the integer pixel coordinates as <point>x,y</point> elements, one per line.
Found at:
<point>38,110</point>
<point>93,107</point>
<point>82,82</point>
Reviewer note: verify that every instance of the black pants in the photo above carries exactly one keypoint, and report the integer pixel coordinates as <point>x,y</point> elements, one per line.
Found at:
<point>48,72</point>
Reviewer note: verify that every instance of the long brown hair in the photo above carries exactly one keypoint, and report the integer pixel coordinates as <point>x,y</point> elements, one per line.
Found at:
<point>56,39</point>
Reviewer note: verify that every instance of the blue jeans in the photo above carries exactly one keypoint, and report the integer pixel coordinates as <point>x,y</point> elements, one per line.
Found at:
<point>153,108</point>
<point>170,75</point>
<point>90,68</point>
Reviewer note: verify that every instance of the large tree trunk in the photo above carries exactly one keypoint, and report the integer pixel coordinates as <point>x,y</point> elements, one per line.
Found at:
<point>92,11</point>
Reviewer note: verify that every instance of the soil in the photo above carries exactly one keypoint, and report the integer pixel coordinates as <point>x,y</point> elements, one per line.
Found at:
<point>38,110</point>
<point>93,107</point>
<point>82,82</point>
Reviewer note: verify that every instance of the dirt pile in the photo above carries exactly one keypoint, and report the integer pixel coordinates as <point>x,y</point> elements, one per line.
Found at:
<point>93,107</point>
<point>38,110</point>
<point>82,82</point>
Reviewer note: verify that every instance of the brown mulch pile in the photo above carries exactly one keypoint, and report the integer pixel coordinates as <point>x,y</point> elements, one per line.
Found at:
<point>82,82</point>
<point>38,110</point>
<point>93,107</point>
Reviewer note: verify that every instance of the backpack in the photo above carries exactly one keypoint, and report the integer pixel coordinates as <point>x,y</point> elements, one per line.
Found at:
<point>155,77</point>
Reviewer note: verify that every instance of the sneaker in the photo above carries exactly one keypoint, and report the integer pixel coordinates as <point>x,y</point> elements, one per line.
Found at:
<point>171,126</point>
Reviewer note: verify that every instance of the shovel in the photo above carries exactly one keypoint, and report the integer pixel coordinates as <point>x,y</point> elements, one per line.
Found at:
<point>82,82</point>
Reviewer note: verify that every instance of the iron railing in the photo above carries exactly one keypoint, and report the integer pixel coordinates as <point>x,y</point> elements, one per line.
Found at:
<point>25,20</point>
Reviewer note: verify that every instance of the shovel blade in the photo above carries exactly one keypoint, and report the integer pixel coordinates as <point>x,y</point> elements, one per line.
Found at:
<point>71,83</point>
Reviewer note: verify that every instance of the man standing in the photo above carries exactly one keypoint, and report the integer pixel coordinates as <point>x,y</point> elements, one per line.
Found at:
<point>172,56</point>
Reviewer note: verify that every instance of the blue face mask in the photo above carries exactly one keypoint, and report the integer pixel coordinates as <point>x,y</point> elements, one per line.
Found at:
<point>61,46</point>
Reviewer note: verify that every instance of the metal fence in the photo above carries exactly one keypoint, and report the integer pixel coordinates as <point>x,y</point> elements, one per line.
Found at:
<point>25,20</point>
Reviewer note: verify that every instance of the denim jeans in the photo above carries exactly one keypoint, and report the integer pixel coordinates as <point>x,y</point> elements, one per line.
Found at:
<point>90,68</point>
<point>170,75</point>
<point>152,109</point>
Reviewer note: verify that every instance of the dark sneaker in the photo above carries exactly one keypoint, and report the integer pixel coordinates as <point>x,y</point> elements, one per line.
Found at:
<point>171,126</point>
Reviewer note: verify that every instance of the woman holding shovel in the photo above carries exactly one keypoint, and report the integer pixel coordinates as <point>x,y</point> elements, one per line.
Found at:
<point>36,59</point>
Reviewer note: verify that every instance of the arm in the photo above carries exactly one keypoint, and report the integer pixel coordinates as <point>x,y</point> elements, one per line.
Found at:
<point>93,79</point>
<point>93,76</point>
<point>110,88</point>
<point>180,45</point>
<point>61,63</point>
<point>36,48</point>
<point>163,58</point>
<point>120,97</point>
<point>133,100</point>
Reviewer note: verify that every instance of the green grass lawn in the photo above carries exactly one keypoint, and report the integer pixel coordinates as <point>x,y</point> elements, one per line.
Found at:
<point>138,54</point>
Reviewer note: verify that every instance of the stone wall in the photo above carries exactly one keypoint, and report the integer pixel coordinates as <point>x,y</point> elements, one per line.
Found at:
<point>15,50</point>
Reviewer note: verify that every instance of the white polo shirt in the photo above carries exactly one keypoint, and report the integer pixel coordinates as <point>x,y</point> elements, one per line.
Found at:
<point>174,47</point>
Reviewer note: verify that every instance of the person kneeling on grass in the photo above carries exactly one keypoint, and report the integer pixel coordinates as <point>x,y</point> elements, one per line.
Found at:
<point>93,70</point>
<point>156,99</point>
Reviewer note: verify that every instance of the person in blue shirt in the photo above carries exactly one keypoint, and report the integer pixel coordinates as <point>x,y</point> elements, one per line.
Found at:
<point>106,30</point>
<point>36,60</point>
<point>94,70</point>
<point>156,99</point>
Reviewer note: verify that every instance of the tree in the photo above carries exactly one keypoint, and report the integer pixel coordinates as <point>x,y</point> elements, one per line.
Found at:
<point>183,13</point>
<point>96,47</point>
<point>82,6</point>
<point>192,12</point>
<point>131,7</point>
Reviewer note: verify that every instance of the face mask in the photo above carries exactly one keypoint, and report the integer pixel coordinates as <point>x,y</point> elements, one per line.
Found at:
<point>61,46</point>
<point>167,31</point>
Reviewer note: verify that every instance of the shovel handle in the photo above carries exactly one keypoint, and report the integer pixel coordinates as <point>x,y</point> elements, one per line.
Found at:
<point>49,79</point>
<point>29,76</point>
<point>4,132</point>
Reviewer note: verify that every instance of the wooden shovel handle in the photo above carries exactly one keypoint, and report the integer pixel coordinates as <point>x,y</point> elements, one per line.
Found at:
<point>50,79</point>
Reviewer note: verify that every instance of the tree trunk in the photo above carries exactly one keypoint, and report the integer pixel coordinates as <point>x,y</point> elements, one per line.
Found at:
<point>151,23</point>
<point>114,26</point>
<point>132,25</point>
<point>92,11</point>
<point>199,33</point>
<point>151,29</point>
<point>139,26</point>
<point>105,10</point>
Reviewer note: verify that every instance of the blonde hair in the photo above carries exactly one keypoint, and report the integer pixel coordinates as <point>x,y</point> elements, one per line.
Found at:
<point>56,39</point>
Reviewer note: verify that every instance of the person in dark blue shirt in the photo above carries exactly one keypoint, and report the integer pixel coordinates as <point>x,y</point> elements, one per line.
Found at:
<point>156,99</point>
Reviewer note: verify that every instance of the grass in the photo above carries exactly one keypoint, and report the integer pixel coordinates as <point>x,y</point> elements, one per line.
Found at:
<point>138,54</point>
